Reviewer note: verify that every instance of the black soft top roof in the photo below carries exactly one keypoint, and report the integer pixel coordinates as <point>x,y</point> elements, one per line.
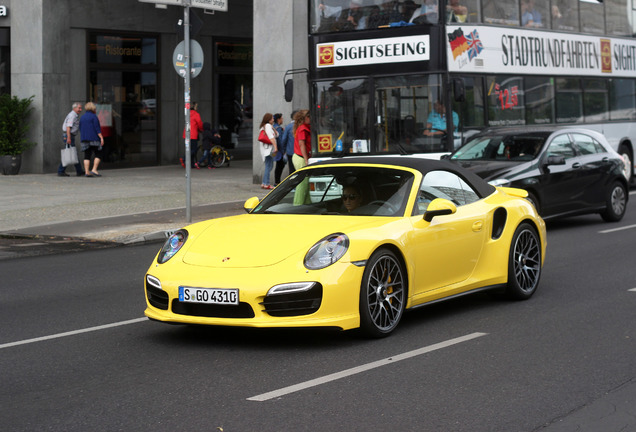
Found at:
<point>422,165</point>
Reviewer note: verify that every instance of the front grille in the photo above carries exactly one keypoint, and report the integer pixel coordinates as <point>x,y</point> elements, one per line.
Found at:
<point>157,297</point>
<point>294,304</point>
<point>243,310</point>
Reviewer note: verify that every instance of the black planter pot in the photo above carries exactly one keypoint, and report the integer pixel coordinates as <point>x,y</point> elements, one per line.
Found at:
<point>10,164</point>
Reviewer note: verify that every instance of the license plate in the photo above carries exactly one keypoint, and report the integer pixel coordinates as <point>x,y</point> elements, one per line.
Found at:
<point>208,295</point>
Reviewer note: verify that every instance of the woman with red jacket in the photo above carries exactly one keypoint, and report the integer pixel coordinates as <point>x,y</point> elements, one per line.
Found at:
<point>196,126</point>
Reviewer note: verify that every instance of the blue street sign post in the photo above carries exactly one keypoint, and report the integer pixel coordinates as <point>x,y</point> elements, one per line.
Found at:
<point>188,65</point>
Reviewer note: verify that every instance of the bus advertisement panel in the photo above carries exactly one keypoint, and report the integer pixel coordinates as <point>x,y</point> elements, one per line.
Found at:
<point>483,49</point>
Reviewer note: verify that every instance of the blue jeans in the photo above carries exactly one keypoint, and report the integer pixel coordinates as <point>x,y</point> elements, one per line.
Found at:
<point>269,162</point>
<point>78,166</point>
<point>206,157</point>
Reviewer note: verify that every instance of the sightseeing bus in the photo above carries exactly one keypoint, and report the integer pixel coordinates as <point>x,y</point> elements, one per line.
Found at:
<point>384,75</point>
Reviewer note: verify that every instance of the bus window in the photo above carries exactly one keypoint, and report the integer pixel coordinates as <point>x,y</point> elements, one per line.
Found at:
<point>595,100</point>
<point>590,11</point>
<point>328,16</point>
<point>504,12</point>
<point>539,92</point>
<point>506,102</point>
<point>622,99</point>
<point>565,15</point>
<point>617,21</point>
<point>341,112</point>
<point>402,109</point>
<point>569,100</point>
<point>471,109</point>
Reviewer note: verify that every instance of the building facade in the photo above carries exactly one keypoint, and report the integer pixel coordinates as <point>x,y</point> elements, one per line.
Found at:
<point>120,55</point>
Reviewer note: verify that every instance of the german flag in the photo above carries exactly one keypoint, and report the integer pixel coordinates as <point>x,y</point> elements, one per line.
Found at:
<point>458,43</point>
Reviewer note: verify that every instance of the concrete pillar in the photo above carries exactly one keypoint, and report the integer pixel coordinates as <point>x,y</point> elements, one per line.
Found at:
<point>40,67</point>
<point>280,44</point>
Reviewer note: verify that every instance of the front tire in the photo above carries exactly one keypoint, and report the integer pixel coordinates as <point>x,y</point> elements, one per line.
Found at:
<point>524,263</point>
<point>382,294</point>
<point>616,203</point>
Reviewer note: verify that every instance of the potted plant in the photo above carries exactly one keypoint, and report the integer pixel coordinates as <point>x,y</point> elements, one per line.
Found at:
<point>14,113</point>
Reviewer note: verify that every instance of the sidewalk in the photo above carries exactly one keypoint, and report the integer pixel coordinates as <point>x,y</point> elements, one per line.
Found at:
<point>123,206</point>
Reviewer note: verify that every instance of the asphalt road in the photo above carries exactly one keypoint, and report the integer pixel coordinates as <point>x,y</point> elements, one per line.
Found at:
<point>77,355</point>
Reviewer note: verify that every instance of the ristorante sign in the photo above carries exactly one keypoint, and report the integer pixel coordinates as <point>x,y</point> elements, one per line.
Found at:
<point>514,51</point>
<point>373,51</point>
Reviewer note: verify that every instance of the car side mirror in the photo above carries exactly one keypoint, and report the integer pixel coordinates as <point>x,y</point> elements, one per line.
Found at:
<point>439,207</point>
<point>555,160</point>
<point>251,204</point>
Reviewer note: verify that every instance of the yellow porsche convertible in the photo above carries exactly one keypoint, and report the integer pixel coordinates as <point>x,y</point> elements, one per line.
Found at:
<point>350,243</point>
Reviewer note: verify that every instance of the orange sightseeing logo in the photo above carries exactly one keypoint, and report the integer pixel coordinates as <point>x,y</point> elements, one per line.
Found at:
<point>324,143</point>
<point>326,55</point>
<point>606,56</point>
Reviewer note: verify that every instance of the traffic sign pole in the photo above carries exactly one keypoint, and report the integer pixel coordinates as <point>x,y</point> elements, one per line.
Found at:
<point>188,153</point>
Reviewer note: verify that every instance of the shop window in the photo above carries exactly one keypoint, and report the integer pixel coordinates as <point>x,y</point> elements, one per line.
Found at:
<point>622,100</point>
<point>595,100</point>
<point>569,100</point>
<point>113,49</point>
<point>5,61</point>
<point>506,102</point>
<point>127,110</point>
<point>539,95</point>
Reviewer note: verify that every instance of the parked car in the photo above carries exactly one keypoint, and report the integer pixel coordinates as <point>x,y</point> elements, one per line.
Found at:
<point>422,231</point>
<point>566,171</point>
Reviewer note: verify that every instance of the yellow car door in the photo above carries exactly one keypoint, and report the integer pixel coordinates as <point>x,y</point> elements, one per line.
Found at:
<point>446,248</point>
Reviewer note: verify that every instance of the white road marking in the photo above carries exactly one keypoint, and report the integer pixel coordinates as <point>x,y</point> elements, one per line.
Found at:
<point>633,289</point>
<point>617,229</point>
<point>356,370</point>
<point>71,333</point>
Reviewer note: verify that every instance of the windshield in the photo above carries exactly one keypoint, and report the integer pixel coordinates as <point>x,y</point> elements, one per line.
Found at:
<point>341,190</point>
<point>522,147</point>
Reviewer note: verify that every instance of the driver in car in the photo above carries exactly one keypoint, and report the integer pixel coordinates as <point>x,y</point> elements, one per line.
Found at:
<point>352,197</point>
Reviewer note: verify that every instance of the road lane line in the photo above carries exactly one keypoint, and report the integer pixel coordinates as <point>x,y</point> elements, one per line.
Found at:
<point>356,370</point>
<point>71,333</point>
<point>633,289</point>
<point>617,229</point>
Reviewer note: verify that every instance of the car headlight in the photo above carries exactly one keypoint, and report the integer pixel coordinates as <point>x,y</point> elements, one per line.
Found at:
<point>500,182</point>
<point>327,251</point>
<point>172,246</point>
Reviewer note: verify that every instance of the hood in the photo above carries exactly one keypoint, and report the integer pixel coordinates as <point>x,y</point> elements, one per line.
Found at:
<point>491,170</point>
<point>259,240</point>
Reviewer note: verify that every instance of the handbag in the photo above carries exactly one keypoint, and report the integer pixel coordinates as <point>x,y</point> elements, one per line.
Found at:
<point>262,137</point>
<point>69,156</point>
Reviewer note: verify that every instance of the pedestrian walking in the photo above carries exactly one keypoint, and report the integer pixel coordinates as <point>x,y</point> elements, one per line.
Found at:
<point>92,140</point>
<point>70,128</point>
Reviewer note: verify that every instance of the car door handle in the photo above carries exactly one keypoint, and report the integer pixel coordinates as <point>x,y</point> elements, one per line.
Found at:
<point>576,165</point>
<point>477,226</point>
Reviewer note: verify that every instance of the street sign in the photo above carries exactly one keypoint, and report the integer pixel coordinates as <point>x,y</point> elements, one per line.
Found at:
<point>166,2</point>
<point>219,5</point>
<point>196,58</point>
